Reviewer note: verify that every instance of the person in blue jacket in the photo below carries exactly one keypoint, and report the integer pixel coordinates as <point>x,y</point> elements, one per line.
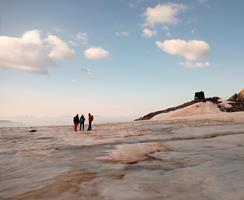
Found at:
<point>82,122</point>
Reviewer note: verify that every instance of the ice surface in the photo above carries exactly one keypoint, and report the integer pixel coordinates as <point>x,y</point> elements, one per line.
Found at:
<point>132,153</point>
<point>175,160</point>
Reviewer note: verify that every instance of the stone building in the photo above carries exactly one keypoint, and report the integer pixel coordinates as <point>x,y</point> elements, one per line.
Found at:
<point>199,96</point>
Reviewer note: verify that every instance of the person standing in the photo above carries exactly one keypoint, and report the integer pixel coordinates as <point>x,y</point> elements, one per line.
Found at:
<point>76,122</point>
<point>82,122</point>
<point>90,119</point>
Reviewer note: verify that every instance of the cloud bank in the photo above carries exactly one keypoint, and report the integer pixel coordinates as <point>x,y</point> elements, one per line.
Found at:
<point>96,53</point>
<point>32,52</point>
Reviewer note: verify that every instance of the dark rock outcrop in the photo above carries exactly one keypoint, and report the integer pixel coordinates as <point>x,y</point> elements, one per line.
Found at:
<point>240,96</point>
<point>237,97</point>
<point>233,97</point>
<point>237,102</point>
<point>236,107</point>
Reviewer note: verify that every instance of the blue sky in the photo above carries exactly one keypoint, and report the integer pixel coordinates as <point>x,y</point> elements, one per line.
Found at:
<point>116,58</point>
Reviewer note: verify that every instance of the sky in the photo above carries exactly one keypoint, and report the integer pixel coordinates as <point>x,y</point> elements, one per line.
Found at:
<point>118,59</point>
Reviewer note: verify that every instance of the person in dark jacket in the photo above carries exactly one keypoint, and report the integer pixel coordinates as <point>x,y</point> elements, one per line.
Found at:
<point>82,122</point>
<point>76,122</point>
<point>90,119</point>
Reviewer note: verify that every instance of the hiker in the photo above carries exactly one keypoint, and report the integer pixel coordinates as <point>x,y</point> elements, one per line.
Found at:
<point>82,122</point>
<point>76,122</point>
<point>90,119</point>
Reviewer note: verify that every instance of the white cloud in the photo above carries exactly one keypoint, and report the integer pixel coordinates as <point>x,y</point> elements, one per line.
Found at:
<point>81,38</point>
<point>60,49</point>
<point>148,33</point>
<point>122,34</point>
<point>189,64</point>
<point>31,52</point>
<point>191,50</point>
<point>33,36</point>
<point>96,53</point>
<point>164,14</point>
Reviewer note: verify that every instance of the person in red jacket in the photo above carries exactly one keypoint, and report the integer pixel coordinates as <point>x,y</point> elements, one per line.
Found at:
<point>90,119</point>
<point>76,122</point>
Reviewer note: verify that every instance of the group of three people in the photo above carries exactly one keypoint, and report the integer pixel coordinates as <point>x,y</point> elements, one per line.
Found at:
<point>81,121</point>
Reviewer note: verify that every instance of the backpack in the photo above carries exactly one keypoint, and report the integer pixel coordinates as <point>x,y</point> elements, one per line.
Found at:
<point>92,118</point>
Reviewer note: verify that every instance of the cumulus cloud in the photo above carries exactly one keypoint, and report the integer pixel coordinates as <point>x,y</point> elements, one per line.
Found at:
<point>148,33</point>
<point>122,34</point>
<point>81,38</point>
<point>32,52</point>
<point>96,53</point>
<point>164,14</point>
<point>191,50</point>
<point>33,36</point>
<point>189,64</point>
<point>25,53</point>
<point>60,49</point>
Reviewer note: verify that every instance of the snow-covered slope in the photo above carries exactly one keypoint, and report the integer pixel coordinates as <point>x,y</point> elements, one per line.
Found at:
<point>200,108</point>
